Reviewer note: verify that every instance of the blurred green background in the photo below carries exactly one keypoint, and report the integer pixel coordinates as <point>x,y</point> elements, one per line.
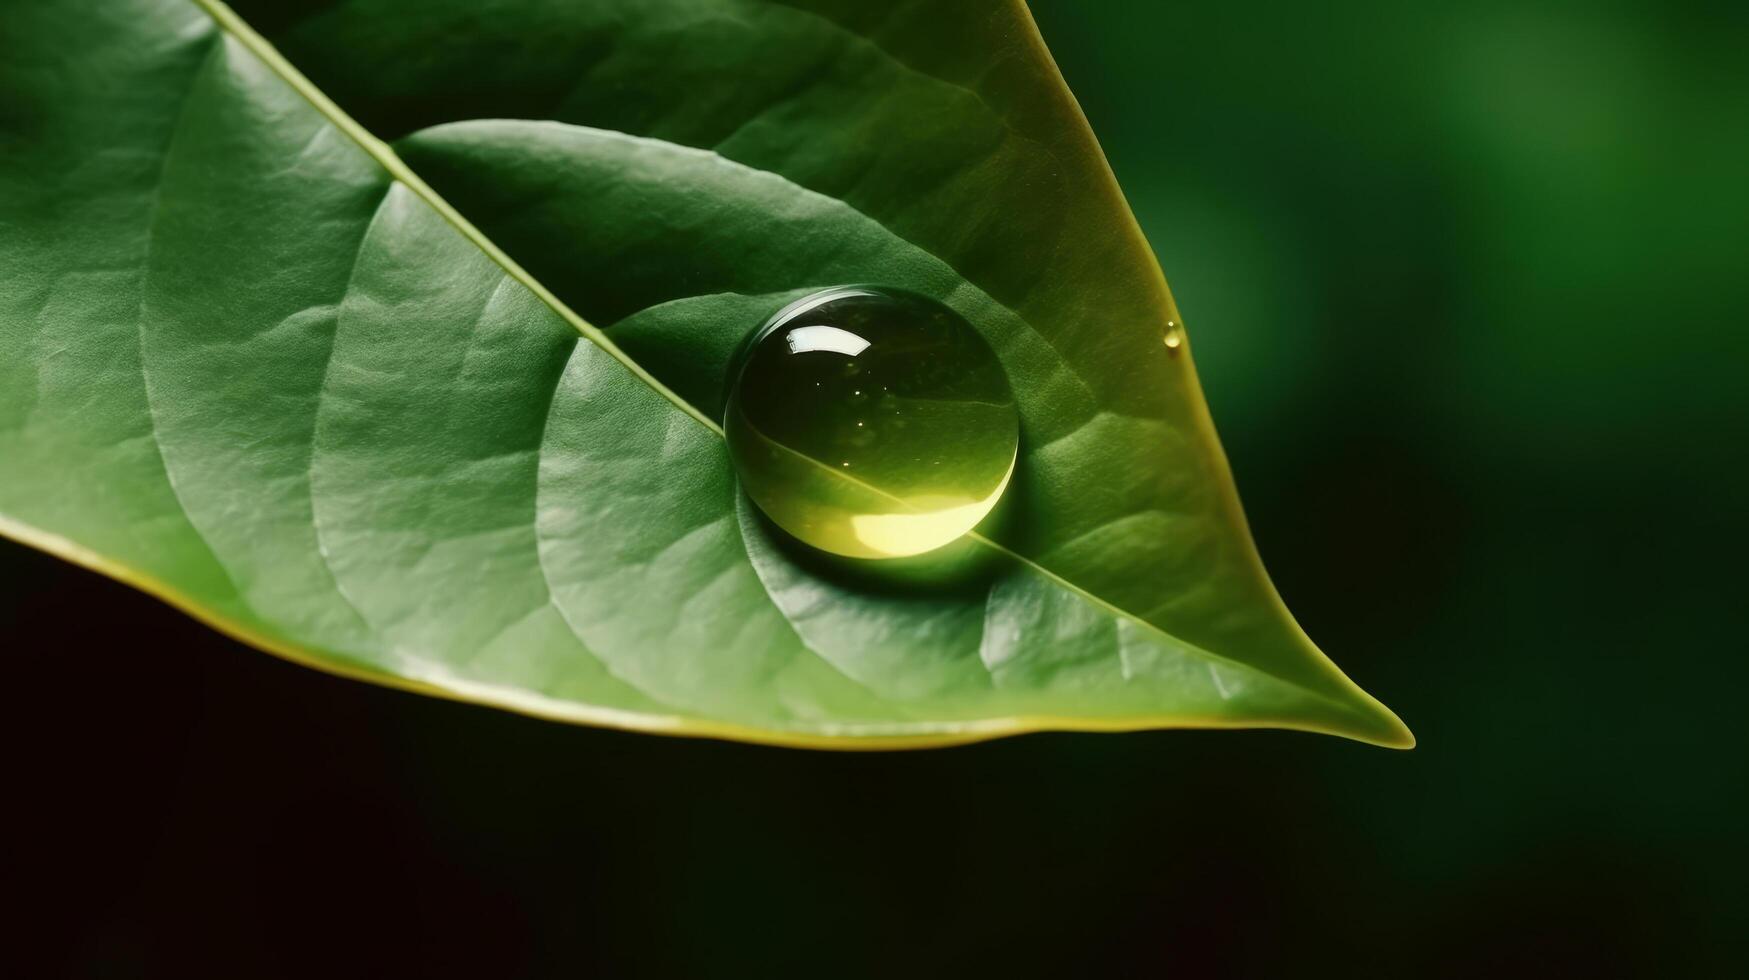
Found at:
<point>1468,286</point>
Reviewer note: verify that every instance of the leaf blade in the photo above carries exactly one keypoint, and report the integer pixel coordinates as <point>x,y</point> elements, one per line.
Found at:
<point>238,593</point>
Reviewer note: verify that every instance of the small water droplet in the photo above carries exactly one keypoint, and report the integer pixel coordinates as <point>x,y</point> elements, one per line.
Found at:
<point>799,394</point>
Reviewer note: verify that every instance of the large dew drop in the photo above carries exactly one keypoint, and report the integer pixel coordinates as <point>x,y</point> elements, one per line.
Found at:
<point>871,422</point>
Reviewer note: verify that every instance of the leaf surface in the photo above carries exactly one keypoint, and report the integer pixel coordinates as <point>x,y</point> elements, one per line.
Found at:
<point>441,415</point>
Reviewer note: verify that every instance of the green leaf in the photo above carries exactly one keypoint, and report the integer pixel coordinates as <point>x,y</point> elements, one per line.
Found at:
<point>351,403</point>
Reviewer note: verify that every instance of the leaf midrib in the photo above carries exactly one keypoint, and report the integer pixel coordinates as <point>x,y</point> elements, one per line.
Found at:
<point>234,25</point>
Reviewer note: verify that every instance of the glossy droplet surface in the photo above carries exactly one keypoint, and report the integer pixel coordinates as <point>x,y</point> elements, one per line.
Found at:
<point>871,422</point>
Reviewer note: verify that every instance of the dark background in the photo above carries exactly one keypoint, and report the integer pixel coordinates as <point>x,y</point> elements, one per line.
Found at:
<point>1467,284</point>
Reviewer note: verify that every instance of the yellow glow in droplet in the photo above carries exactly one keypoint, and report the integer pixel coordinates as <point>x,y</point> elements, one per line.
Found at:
<point>937,521</point>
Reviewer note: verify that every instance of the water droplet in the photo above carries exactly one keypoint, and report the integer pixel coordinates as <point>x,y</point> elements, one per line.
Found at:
<point>800,394</point>
<point>1174,337</point>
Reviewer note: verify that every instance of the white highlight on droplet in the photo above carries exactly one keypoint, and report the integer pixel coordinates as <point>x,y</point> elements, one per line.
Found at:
<point>801,340</point>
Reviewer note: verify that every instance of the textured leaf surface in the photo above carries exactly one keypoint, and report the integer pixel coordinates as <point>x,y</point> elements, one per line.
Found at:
<point>346,402</point>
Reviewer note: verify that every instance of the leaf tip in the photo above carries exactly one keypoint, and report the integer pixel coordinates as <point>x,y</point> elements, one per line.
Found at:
<point>1378,725</point>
